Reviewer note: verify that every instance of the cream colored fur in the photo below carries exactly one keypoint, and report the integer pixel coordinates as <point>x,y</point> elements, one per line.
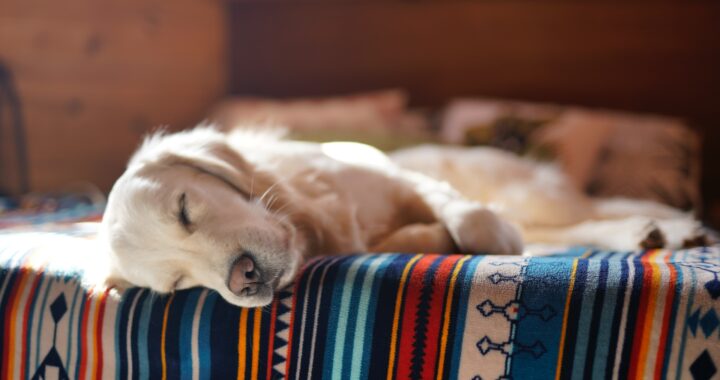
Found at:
<point>543,201</point>
<point>279,201</point>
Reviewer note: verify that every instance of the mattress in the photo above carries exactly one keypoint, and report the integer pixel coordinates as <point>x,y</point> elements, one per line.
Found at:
<point>576,313</point>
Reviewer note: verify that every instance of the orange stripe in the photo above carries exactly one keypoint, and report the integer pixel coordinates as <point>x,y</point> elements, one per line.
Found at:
<point>565,319</point>
<point>242,343</point>
<point>649,315</point>
<point>13,317</point>
<point>446,321</point>
<point>396,317</point>
<point>669,299</point>
<point>163,341</point>
<point>256,343</point>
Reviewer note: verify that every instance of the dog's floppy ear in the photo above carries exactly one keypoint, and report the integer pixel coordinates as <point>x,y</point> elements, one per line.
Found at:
<point>218,160</point>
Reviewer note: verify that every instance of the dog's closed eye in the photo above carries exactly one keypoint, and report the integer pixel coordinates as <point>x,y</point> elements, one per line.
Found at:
<point>183,216</point>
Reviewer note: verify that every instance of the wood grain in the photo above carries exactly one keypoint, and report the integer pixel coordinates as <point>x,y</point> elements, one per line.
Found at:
<point>95,76</point>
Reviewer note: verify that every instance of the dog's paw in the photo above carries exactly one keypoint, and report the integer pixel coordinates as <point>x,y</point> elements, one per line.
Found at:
<point>100,283</point>
<point>476,229</point>
<point>654,238</point>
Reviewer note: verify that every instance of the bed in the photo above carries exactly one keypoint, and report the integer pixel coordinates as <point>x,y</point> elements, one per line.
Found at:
<point>575,313</point>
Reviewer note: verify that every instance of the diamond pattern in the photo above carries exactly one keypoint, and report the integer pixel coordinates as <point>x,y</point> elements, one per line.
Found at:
<point>693,320</point>
<point>709,322</point>
<point>703,367</point>
<point>713,287</point>
<point>58,308</point>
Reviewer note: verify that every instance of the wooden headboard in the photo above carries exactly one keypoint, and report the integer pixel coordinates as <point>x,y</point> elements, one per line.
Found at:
<point>650,56</point>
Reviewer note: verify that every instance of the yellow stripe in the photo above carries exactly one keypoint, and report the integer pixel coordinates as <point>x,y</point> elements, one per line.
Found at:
<point>396,317</point>
<point>650,315</point>
<point>446,322</point>
<point>242,345</point>
<point>565,318</point>
<point>256,343</point>
<point>164,332</point>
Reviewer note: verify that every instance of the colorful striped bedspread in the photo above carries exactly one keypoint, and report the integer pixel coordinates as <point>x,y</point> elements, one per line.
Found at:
<point>577,314</point>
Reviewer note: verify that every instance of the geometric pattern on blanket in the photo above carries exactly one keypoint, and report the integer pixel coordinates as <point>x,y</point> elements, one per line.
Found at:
<point>576,314</point>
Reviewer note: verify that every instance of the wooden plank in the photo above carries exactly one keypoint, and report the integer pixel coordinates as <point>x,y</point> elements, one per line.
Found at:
<point>95,76</point>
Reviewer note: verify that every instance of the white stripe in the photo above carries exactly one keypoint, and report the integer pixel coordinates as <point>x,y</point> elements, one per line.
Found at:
<point>194,345</point>
<point>363,304</point>
<point>34,327</point>
<point>128,337</point>
<point>343,316</point>
<point>298,355</point>
<point>317,313</point>
<point>623,320</point>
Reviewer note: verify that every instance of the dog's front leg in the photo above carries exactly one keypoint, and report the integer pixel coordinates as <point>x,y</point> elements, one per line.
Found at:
<point>474,227</point>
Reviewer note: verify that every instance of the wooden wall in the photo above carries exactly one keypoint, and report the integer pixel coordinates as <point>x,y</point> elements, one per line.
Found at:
<point>660,56</point>
<point>96,75</point>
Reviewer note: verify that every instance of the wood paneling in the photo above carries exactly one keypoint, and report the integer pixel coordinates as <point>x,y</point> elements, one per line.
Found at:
<point>94,76</point>
<point>651,56</point>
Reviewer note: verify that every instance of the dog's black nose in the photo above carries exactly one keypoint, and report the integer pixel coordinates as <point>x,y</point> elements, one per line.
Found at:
<point>244,279</point>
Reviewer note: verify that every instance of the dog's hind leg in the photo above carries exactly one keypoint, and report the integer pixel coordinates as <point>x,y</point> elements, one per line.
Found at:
<point>423,238</point>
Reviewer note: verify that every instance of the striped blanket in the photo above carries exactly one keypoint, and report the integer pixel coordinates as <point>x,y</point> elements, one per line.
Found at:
<point>576,314</point>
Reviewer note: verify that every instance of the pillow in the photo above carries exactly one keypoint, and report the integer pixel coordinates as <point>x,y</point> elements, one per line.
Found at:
<point>605,153</point>
<point>379,118</point>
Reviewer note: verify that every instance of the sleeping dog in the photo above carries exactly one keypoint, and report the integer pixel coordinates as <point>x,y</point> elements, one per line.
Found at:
<point>239,212</point>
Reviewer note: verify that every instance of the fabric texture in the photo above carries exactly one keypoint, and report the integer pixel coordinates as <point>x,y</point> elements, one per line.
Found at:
<point>576,314</point>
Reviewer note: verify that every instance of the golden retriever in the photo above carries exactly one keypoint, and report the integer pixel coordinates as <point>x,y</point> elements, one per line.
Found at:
<point>239,212</point>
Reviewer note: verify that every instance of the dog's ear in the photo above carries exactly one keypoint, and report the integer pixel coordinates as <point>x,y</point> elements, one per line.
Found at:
<point>218,160</point>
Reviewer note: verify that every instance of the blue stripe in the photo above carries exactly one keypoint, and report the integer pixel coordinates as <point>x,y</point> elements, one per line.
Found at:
<point>186,324</point>
<point>142,338</point>
<point>462,291</point>
<point>366,311</point>
<point>204,347</point>
<point>328,362</point>
<point>617,319</point>
<point>343,317</point>
<point>605,317</point>
<point>357,313</point>
<point>545,287</point>
<point>586,314</point>
<point>370,324</point>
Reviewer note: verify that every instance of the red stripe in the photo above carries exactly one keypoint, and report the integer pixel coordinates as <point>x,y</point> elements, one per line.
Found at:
<point>669,299</point>
<point>82,329</point>
<point>641,314</point>
<point>437,303</point>
<point>271,338</point>
<point>98,334</point>
<point>26,322</point>
<point>412,298</point>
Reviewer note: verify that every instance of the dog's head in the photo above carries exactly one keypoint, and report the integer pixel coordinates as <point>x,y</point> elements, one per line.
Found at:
<point>191,211</point>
